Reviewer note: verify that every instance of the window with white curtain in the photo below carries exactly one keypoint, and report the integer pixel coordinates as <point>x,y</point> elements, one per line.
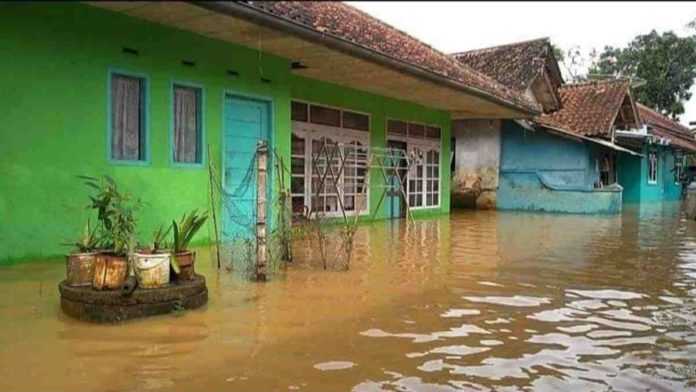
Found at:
<point>423,149</point>
<point>652,167</point>
<point>678,166</point>
<point>320,133</point>
<point>187,125</point>
<point>127,118</point>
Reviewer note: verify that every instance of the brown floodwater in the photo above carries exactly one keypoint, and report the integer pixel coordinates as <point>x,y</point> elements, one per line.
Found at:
<point>474,301</point>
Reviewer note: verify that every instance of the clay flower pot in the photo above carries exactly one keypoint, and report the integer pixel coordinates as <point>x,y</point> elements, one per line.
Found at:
<point>110,271</point>
<point>186,260</point>
<point>80,268</point>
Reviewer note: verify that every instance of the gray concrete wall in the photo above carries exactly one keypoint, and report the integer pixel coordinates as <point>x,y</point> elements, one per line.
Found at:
<point>477,160</point>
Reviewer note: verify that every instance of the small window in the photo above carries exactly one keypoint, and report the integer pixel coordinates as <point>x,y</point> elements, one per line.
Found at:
<point>652,167</point>
<point>432,132</point>
<point>678,166</point>
<point>416,130</point>
<point>325,116</point>
<point>396,127</point>
<point>299,111</point>
<point>127,118</point>
<point>357,121</point>
<point>187,125</point>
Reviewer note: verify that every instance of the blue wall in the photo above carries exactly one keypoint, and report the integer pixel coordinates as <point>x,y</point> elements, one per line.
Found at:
<point>545,172</point>
<point>633,175</point>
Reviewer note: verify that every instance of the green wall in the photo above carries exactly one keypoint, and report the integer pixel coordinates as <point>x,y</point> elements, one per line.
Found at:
<point>54,111</point>
<point>381,108</point>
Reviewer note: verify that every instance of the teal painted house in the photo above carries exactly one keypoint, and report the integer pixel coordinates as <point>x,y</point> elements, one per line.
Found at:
<point>155,94</point>
<point>565,159</point>
<point>664,145</point>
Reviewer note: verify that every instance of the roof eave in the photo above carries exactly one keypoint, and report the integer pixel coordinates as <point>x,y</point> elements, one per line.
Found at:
<point>267,19</point>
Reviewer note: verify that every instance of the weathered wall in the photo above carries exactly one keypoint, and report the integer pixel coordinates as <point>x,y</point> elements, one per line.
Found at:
<point>54,111</point>
<point>477,159</point>
<point>544,172</point>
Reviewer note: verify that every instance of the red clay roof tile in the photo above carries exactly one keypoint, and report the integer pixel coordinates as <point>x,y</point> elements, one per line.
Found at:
<point>588,108</point>
<point>350,24</point>
<point>662,126</point>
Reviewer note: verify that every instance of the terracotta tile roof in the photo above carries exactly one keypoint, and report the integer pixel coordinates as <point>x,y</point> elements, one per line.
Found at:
<point>350,24</point>
<point>514,65</point>
<point>662,126</point>
<point>588,108</point>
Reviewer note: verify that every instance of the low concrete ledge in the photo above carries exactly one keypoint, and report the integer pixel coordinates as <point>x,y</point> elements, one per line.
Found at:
<point>86,304</point>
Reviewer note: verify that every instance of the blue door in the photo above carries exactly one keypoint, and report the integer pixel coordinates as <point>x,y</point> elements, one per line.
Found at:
<point>246,123</point>
<point>394,202</point>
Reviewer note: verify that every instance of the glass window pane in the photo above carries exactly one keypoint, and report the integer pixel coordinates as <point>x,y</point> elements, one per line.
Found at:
<point>298,145</point>
<point>127,137</point>
<point>396,127</point>
<point>432,132</point>
<point>186,124</point>
<point>356,121</point>
<point>299,111</point>
<point>324,115</point>
<point>416,130</point>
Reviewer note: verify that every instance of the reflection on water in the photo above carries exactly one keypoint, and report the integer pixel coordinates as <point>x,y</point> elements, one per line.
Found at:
<point>475,301</point>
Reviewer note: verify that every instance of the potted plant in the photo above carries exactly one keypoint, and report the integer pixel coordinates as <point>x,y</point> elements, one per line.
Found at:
<point>80,263</point>
<point>116,214</point>
<point>152,264</point>
<point>183,259</point>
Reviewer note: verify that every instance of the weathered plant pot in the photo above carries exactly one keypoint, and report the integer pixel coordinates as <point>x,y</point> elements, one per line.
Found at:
<point>110,271</point>
<point>186,260</point>
<point>80,268</point>
<point>152,269</point>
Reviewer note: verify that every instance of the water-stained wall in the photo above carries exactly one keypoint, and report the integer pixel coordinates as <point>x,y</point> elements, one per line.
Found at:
<point>477,159</point>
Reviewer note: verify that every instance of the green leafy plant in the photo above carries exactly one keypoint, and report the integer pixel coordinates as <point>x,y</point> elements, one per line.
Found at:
<point>115,212</point>
<point>184,231</point>
<point>159,238</point>
<point>89,240</point>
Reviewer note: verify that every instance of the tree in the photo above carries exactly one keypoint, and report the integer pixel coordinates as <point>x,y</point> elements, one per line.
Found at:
<point>666,62</point>
<point>574,62</point>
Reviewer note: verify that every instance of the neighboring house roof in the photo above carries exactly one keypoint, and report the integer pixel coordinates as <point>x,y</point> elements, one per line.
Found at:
<point>660,125</point>
<point>515,65</point>
<point>592,108</point>
<point>349,24</point>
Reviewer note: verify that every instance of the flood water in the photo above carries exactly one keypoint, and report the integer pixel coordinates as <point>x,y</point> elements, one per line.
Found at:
<point>474,301</point>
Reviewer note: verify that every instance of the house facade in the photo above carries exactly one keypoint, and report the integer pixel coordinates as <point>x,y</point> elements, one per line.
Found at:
<point>157,94</point>
<point>550,162</point>
<point>583,154</point>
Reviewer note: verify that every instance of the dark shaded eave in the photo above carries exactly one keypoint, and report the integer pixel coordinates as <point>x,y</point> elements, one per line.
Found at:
<point>266,19</point>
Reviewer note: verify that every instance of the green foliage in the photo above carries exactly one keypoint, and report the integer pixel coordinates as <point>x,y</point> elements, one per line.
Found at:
<point>115,212</point>
<point>186,229</point>
<point>665,61</point>
<point>89,240</point>
<point>159,238</point>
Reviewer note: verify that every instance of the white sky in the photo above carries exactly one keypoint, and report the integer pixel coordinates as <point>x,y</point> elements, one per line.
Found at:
<point>457,26</point>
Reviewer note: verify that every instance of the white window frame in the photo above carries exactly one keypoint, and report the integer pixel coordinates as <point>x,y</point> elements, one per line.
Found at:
<point>679,158</point>
<point>651,153</point>
<point>426,145</point>
<point>343,136</point>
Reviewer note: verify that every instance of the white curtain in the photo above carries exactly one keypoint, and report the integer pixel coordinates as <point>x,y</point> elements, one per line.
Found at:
<point>126,118</point>
<point>185,124</point>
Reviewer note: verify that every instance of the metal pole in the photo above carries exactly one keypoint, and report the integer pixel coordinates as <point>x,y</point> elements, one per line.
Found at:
<point>261,173</point>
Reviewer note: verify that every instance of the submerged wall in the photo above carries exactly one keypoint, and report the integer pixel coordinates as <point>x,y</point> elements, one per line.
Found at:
<point>477,159</point>
<point>540,171</point>
<point>633,174</point>
<point>54,114</point>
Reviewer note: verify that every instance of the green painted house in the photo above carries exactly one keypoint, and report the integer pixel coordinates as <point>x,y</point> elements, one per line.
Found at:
<point>156,94</point>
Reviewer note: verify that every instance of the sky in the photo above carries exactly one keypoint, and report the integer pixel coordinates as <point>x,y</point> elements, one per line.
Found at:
<point>458,26</point>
